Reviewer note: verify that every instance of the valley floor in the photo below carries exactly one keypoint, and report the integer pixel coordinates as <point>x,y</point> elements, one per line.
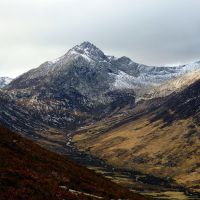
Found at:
<point>116,146</point>
<point>147,185</point>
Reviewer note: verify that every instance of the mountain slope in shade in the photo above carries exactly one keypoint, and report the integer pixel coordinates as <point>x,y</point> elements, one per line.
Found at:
<point>164,141</point>
<point>31,172</point>
<point>4,81</point>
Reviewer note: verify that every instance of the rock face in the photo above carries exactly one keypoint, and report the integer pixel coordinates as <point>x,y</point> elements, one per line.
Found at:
<point>4,81</point>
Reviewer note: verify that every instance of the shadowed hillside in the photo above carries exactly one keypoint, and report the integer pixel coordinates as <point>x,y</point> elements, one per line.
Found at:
<point>31,172</point>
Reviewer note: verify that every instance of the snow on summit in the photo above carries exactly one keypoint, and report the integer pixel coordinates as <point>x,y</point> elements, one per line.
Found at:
<point>107,73</point>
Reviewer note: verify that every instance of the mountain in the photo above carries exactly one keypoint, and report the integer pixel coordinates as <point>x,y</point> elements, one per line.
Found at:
<point>4,81</point>
<point>164,141</point>
<point>134,116</point>
<point>90,72</point>
<point>76,87</point>
<point>31,172</point>
<point>83,86</point>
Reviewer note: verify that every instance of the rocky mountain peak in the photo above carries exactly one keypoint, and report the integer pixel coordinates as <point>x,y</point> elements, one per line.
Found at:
<point>87,45</point>
<point>125,60</point>
<point>89,51</point>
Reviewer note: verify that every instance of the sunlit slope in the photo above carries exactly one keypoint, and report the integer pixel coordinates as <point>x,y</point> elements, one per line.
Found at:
<point>164,142</point>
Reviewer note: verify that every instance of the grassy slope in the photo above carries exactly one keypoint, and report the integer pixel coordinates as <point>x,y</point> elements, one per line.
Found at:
<point>150,148</point>
<point>28,171</point>
<point>164,142</point>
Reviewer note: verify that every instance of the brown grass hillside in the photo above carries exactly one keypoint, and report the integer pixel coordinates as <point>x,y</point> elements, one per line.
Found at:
<point>164,142</point>
<point>28,171</point>
<point>150,148</point>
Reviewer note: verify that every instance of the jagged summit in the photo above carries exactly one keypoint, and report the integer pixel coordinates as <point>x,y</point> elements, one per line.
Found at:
<point>87,45</point>
<point>74,91</point>
<point>88,51</point>
<point>125,60</point>
<point>93,74</point>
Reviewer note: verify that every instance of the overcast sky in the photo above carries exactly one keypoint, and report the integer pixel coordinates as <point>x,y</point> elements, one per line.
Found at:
<point>153,32</point>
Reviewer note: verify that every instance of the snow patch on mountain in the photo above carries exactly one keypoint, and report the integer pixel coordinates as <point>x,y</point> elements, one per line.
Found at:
<point>96,74</point>
<point>85,50</point>
<point>174,85</point>
<point>122,80</point>
<point>4,81</point>
<point>153,82</point>
<point>89,52</point>
<point>85,54</point>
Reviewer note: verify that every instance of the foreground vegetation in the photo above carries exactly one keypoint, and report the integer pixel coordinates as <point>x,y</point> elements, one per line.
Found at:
<point>28,171</point>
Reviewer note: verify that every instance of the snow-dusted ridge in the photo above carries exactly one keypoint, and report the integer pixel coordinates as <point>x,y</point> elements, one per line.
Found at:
<point>4,81</point>
<point>86,84</point>
<point>119,73</point>
<point>87,50</point>
<point>156,77</point>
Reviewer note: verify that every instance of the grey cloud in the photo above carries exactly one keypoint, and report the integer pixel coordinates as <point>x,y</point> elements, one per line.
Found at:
<point>154,32</point>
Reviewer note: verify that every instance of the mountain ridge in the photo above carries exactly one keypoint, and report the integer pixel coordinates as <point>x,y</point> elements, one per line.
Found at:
<point>83,86</point>
<point>88,90</point>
